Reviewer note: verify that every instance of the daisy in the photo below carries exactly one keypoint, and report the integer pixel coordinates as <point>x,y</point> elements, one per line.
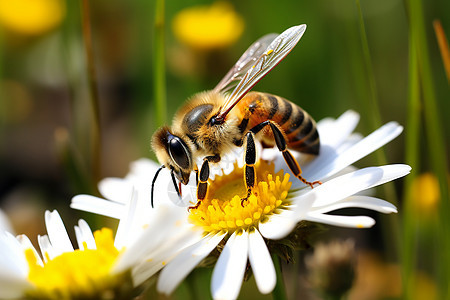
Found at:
<point>101,267</point>
<point>152,235</point>
<point>274,211</point>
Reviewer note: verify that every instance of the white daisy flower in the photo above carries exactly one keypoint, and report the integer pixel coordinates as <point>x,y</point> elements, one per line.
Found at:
<point>272,212</point>
<point>100,268</point>
<point>153,236</point>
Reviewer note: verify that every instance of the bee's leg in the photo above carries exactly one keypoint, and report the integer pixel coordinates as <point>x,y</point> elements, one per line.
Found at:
<point>196,176</point>
<point>202,185</point>
<point>280,141</point>
<point>249,168</point>
<point>213,158</point>
<point>244,124</point>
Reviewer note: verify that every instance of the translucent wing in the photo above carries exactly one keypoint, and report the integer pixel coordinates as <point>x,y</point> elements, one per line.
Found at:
<point>244,63</point>
<point>270,57</point>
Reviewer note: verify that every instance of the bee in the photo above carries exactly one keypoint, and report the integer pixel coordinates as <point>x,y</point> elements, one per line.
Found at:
<point>213,122</point>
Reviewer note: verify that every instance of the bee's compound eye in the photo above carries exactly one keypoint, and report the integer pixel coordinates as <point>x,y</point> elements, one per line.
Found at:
<point>179,152</point>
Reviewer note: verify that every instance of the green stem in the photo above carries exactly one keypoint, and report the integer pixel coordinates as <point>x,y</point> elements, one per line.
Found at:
<point>435,138</point>
<point>375,116</point>
<point>69,144</point>
<point>279,292</point>
<point>390,226</point>
<point>159,75</point>
<point>372,107</point>
<point>412,158</point>
<point>196,284</point>
<point>93,91</point>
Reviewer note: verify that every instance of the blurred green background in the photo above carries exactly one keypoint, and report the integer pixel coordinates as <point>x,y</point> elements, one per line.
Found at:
<point>49,145</point>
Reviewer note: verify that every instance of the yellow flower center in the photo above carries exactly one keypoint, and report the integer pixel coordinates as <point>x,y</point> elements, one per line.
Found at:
<point>223,208</point>
<point>78,274</point>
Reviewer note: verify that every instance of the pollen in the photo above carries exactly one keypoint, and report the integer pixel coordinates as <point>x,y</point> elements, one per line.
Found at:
<point>77,274</point>
<point>226,209</point>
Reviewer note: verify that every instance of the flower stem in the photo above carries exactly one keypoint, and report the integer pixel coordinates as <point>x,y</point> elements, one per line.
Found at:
<point>412,158</point>
<point>372,107</point>
<point>279,292</point>
<point>390,226</point>
<point>93,91</point>
<point>435,138</point>
<point>372,104</point>
<point>159,75</point>
<point>196,284</point>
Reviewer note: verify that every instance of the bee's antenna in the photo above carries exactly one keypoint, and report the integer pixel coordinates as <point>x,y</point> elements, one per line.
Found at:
<point>175,184</point>
<point>154,180</point>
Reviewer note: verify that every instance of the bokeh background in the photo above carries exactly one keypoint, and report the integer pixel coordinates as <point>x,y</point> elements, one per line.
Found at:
<point>53,95</point>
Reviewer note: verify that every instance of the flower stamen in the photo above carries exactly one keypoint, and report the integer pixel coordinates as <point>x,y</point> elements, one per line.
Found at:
<point>222,209</point>
<point>75,274</point>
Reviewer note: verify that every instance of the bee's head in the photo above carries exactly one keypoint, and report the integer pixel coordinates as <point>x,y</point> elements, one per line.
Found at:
<point>173,152</point>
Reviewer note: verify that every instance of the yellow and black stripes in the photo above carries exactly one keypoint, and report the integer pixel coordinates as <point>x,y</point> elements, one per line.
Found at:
<point>299,128</point>
<point>280,141</point>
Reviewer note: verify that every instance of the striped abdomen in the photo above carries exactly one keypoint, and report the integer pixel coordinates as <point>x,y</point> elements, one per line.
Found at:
<point>298,126</point>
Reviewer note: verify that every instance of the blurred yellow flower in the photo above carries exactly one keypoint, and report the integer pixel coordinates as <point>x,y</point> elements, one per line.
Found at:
<point>31,17</point>
<point>425,193</point>
<point>208,27</point>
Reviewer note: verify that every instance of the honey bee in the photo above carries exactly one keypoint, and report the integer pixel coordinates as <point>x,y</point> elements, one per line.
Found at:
<point>213,122</point>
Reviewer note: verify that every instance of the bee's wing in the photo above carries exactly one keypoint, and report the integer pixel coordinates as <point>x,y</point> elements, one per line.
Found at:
<point>244,63</point>
<point>269,58</point>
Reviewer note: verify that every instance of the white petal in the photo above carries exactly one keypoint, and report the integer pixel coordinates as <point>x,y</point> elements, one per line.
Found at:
<point>229,271</point>
<point>143,168</point>
<point>47,251</point>
<point>125,234</point>
<point>13,263</point>
<point>144,210</point>
<point>351,141</point>
<point>342,221</point>
<point>115,189</point>
<point>300,191</point>
<point>185,262</point>
<point>361,202</point>
<point>160,228</point>
<point>57,233</point>
<point>155,260</point>
<point>26,244</point>
<point>261,262</point>
<point>392,172</point>
<point>98,206</point>
<point>84,236</point>
<point>189,194</point>
<point>335,132</point>
<point>279,225</point>
<point>329,162</point>
<point>351,183</point>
